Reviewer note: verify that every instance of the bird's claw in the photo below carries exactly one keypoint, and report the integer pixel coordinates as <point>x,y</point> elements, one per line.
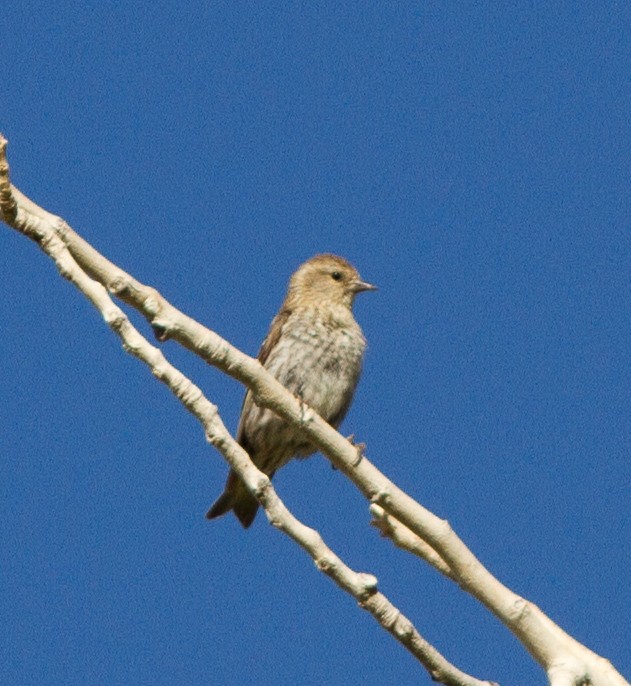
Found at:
<point>302,403</point>
<point>359,447</point>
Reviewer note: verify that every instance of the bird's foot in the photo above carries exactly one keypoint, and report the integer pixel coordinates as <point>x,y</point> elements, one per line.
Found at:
<point>359,447</point>
<point>303,404</point>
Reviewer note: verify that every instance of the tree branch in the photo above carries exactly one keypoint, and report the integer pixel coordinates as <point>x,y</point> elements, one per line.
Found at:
<point>42,228</point>
<point>564,659</point>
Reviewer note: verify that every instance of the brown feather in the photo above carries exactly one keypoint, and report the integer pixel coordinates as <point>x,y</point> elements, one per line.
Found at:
<point>314,347</point>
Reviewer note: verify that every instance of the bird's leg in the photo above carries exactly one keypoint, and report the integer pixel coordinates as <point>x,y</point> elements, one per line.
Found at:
<point>301,400</point>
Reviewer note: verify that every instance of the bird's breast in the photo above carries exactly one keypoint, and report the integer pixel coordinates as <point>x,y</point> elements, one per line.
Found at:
<point>320,363</point>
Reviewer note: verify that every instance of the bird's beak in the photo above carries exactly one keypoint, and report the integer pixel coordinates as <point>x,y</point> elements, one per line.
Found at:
<point>359,286</point>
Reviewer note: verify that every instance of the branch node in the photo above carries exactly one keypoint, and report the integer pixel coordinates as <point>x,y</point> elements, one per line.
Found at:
<point>324,564</point>
<point>368,583</point>
<point>115,319</point>
<point>152,303</point>
<point>519,610</point>
<point>118,286</point>
<point>8,206</point>
<point>160,331</point>
<point>381,497</point>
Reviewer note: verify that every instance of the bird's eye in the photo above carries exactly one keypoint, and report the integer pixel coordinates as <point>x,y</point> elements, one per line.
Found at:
<point>336,276</point>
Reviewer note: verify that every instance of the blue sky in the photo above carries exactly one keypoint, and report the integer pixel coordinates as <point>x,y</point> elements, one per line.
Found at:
<point>473,161</point>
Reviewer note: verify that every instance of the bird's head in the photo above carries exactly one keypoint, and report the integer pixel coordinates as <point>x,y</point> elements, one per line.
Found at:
<point>326,279</point>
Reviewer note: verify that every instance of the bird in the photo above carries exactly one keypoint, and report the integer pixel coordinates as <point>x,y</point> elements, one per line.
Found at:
<point>315,348</point>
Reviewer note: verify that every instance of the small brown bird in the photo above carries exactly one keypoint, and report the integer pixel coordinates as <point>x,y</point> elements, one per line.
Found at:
<point>314,348</point>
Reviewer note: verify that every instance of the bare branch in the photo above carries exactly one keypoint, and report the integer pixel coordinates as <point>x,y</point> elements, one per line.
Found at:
<point>42,227</point>
<point>563,658</point>
<point>405,539</point>
<point>528,624</point>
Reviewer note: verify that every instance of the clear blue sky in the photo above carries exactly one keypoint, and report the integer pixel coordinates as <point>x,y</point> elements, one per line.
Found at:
<point>473,160</point>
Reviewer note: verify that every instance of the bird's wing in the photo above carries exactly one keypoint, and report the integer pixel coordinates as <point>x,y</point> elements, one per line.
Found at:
<point>274,333</point>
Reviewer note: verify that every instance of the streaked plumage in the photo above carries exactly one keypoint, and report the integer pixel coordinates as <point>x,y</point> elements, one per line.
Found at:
<point>314,348</point>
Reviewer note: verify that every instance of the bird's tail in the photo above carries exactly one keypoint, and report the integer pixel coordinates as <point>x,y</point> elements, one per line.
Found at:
<point>235,497</point>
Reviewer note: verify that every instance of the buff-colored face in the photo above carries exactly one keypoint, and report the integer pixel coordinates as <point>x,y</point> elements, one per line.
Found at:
<point>327,278</point>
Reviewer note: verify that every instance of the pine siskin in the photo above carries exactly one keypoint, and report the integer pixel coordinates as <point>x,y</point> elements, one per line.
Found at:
<point>314,348</point>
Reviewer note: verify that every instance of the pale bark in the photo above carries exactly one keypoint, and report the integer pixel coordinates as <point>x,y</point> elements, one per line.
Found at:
<point>410,525</point>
